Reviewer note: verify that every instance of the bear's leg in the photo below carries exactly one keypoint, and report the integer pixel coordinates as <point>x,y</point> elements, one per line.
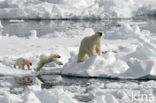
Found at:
<point>81,57</point>
<point>28,66</point>
<point>23,66</point>
<point>57,61</point>
<point>40,65</point>
<point>89,54</point>
<point>98,51</point>
<point>20,66</point>
<point>93,51</point>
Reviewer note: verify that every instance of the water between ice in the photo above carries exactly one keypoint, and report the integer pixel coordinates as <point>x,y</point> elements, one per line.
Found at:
<point>22,29</point>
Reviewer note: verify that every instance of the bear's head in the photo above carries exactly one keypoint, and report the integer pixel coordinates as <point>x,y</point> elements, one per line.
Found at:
<point>55,56</point>
<point>98,34</point>
<point>30,63</point>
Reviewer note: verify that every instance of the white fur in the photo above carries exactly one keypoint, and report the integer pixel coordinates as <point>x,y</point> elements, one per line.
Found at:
<point>90,45</point>
<point>21,62</point>
<point>48,59</point>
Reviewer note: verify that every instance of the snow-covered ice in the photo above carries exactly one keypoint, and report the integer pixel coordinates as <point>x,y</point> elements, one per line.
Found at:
<point>95,66</point>
<point>129,61</point>
<point>33,34</point>
<point>1,26</point>
<point>96,92</point>
<point>16,21</point>
<point>74,9</point>
<point>130,48</point>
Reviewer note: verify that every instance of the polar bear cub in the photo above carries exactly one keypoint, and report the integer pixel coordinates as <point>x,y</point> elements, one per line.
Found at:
<point>21,62</point>
<point>47,59</point>
<point>90,45</point>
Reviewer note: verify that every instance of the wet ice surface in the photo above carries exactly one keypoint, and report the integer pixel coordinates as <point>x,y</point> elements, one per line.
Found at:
<point>71,89</point>
<point>83,90</point>
<point>87,90</point>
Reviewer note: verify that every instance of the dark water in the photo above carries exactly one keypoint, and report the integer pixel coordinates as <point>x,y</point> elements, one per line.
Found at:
<point>49,26</point>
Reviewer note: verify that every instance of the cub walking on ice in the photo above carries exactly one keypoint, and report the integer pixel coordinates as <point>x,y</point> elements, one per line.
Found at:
<point>21,62</point>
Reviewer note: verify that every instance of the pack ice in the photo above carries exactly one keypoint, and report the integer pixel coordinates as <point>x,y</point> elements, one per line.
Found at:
<point>128,53</point>
<point>125,62</point>
<point>74,9</point>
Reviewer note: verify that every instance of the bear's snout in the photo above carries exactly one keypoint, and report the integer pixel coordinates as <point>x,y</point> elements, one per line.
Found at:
<point>58,56</point>
<point>100,34</point>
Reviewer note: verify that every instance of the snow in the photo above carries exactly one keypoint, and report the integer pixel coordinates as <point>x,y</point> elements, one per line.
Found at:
<point>16,21</point>
<point>95,66</point>
<point>74,9</point>
<point>1,26</point>
<point>105,99</point>
<point>147,9</point>
<point>34,94</point>
<point>33,34</point>
<point>1,29</point>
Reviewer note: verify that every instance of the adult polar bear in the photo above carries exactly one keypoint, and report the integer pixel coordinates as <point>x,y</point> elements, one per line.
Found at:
<point>90,45</point>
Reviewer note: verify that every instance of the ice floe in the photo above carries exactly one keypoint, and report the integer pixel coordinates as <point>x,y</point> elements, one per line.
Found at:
<point>129,53</point>
<point>140,63</point>
<point>16,21</point>
<point>73,9</point>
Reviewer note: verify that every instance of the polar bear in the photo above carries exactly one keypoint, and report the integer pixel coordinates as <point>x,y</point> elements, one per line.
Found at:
<point>48,59</point>
<point>90,45</point>
<point>21,62</point>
